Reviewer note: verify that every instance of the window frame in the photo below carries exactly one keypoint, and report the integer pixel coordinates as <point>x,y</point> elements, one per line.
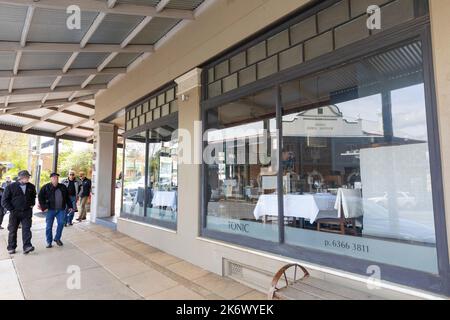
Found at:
<point>147,127</point>
<point>126,136</point>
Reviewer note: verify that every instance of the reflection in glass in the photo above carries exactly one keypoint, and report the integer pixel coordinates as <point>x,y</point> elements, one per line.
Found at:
<point>162,188</point>
<point>134,175</point>
<point>242,165</point>
<point>356,163</point>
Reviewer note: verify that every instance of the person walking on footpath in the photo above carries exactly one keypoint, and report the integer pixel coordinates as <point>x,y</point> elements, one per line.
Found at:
<point>85,192</point>
<point>54,199</point>
<point>73,185</point>
<point>7,182</point>
<point>19,199</point>
<point>2,211</point>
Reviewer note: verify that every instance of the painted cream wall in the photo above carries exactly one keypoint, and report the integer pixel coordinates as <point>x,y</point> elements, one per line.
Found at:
<point>106,136</point>
<point>221,26</point>
<point>440,28</point>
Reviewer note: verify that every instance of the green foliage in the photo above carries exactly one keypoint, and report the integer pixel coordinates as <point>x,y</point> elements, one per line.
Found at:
<point>74,160</point>
<point>20,163</point>
<point>45,177</point>
<point>13,149</point>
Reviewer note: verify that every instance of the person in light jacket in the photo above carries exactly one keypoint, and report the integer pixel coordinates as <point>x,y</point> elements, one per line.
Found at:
<point>84,194</point>
<point>73,185</point>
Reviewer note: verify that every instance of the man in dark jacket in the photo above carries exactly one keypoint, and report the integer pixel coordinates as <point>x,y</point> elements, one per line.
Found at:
<point>2,211</point>
<point>54,199</point>
<point>85,192</point>
<point>19,199</point>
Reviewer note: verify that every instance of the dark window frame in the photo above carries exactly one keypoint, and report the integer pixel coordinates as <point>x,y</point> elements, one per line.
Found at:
<point>168,119</point>
<point>133,107</point>
<point>418,29</point>
<point>307,11</point>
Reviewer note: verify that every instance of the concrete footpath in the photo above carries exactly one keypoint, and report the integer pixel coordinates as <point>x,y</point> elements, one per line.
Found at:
<point>98,263</point>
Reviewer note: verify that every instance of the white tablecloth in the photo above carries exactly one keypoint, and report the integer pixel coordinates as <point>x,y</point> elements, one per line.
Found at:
<point>298,206</point>
<point>351,201</point>
<point>165,199</point>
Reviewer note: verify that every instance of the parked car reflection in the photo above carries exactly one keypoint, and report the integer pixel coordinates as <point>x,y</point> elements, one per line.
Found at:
<point>379,222</point>
<point>404,200</point>
<point>131,188</point>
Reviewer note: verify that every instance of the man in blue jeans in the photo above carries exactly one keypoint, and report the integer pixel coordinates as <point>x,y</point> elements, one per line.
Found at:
<point>54,199</point>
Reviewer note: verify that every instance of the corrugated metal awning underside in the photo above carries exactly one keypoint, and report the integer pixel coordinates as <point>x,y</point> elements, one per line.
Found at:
<point>49,73</point>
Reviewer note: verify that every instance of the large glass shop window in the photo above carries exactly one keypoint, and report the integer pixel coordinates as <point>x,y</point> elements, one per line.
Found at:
<point>356,167</point>
<point>162,176</point>
<point>242,165</point>
<point>355,163</point>
<point>134,175</point>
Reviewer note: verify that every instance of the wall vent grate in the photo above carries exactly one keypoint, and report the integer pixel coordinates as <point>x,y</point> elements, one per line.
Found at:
<point>236,270</point>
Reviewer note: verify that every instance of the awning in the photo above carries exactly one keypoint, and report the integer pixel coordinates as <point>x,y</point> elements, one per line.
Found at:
<point>49,74</point>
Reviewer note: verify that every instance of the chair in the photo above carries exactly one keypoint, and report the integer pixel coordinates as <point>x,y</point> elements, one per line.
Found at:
<point>270,191</point>
<point>338,225</point>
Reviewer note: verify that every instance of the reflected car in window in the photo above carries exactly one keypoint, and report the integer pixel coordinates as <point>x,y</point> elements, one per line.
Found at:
<point>404,200</point>
<point>132,188</point>
<point>379,222</point>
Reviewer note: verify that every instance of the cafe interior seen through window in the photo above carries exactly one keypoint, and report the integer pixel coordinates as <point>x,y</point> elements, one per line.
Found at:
<point>150,192</point>
<point>355,163</point>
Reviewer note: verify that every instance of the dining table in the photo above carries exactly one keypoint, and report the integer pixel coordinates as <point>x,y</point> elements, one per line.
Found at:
<point>165,199</point>
<point>303,206</point>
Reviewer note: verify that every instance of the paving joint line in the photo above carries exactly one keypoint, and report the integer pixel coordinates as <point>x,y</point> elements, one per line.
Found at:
<point>172,275</point>
<point>107,270</point>
<point>88,268</point>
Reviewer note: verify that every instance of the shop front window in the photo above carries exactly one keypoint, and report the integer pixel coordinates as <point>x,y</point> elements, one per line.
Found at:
<point>355,163</point>
<point>162,204</point>
<point>150,183</point>
<point>242,165</point>
<point>357,168</point>
<point>134,175</point>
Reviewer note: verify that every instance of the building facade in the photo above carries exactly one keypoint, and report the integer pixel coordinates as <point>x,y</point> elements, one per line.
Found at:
<point>309,132</point>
